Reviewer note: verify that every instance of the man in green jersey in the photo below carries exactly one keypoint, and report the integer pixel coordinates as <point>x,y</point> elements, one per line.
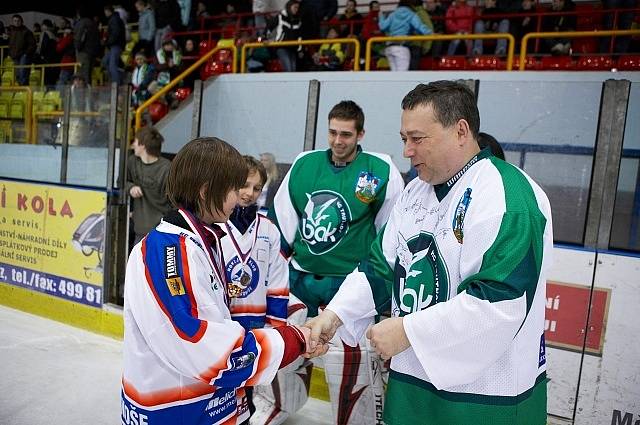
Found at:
<point>462,261</point>
<point>329,208</point>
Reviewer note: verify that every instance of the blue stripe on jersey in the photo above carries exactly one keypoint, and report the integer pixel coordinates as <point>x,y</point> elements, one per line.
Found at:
<point>241,362</point>
<point>177,307</point>
<point>277,307</point>
<point>249,322</point>
<point>221,405</point>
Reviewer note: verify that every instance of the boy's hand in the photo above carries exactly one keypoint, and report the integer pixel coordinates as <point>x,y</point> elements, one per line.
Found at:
<point>135,192</point>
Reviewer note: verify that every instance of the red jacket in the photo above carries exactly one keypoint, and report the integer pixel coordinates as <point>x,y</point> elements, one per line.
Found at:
<point>464,18</point>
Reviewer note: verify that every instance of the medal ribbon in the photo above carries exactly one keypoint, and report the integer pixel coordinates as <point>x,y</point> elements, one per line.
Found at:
<point>217,261</point>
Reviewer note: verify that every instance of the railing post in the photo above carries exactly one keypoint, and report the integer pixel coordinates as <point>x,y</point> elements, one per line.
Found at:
<point>65,134</point>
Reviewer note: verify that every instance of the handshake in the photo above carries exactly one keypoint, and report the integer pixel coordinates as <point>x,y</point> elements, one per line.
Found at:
<point>387,337</point>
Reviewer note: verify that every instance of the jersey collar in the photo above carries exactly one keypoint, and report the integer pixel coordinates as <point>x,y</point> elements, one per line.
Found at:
<point>442,190</point>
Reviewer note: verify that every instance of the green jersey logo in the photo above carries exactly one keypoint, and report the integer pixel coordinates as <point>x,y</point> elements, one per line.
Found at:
<point>325,221</point>
<point>420,275</point>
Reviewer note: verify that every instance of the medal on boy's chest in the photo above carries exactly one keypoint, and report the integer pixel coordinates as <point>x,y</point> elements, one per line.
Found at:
<point>238,282</point>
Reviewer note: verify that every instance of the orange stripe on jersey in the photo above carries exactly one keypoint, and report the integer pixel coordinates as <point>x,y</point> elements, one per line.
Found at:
<point>214,371</point>
<point>247,308</point>
<point>265,356</point>
<point>168,395</point>
<point>187,276</point>
<point>275,322</point>
<point>203,324</point>
<point>278,292</point>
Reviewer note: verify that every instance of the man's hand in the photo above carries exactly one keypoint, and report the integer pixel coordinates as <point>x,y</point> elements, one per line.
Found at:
<point>306,332</point>
<point>388,337</point>
<point>135,192</point>
<point>323,328</point>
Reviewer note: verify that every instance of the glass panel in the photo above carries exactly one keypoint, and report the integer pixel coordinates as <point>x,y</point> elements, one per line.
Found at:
<point>625,232</point>
<point>551,135</point>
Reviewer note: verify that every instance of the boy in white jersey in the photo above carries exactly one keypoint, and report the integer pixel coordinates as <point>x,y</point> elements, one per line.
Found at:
<point>463,262</point>
<point>254,265</point>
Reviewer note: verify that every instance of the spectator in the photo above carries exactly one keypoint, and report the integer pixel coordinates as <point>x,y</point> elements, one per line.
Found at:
<point>80,96</point>
<point>86,38</point>
<point>330,56</point>
<point>22,46</point>
<point>625,21</point>
<point>146,28</point>
<point>315,13</point>
<point>559,23</point>
<point>168,61</point>
<point>287,26</point>
<point>201,12</point>
<point>114,43</point>
<point>437,14</point>
<point>274,178</point>
<point>141,78</point>
<point>66,50</point>
<point>167,13</point>
<point>492,25</point>
<point>37,28</point>
<point>402,21</point>
<point>189,57</point>
<point>185,12</point>
<point>351,14</point>
<point>147,175</point>
<point>3,33</point>
<point>487,140</point>
<point>370,27</point>
<point>46,52</point>
<point>524,24</point>
<point>459,20</point>
<point>124,15</point>
<point>420,48</point>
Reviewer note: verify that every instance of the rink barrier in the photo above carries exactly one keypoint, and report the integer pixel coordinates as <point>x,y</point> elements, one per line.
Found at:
<point>104,321</point>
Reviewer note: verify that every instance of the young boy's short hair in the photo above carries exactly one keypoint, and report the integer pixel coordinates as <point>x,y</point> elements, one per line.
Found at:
<point>256,166</point>
<point>151,139</point>
<point>205,161</point>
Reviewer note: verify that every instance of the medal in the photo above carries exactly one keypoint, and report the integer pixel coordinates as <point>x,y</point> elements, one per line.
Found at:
<point>245,279</point>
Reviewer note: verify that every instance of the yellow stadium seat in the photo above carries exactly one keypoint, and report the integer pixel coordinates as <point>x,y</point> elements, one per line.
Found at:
<point>16,110</point>
<point>35,77</point>
<point>38,98</point>
<point>5,131</point>
<point>8,62</point>
<point>5,104</point>
<point>135,37</point>
<point>52,101</point>
<point>7,78</point>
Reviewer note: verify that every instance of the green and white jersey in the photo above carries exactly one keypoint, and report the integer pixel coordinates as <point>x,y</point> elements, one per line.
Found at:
<point>329,216</point>
<point>464,263</point>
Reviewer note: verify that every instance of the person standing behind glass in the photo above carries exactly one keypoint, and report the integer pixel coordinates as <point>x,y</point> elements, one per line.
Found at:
<point>22,46</point>
<point>402,21</point>
<point>286,27</point>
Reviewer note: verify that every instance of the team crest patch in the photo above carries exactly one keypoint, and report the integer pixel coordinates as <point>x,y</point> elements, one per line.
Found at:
<point>242,278</point>
<point>325,221</point>
<point>421,278</point>
<point>174,282</point>
<point>367,186</point>
<point>458,218</point>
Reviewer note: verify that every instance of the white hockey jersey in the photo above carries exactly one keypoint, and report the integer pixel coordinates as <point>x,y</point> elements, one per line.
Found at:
<point>465,264</point>
<point>185,359</point>
<point>254,262</point>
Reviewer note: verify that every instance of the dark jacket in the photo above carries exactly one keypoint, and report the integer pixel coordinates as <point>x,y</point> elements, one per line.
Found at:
<point>167,12</point>
<point>21,41</point>
<point>116,34</point>
<point>86,37</point>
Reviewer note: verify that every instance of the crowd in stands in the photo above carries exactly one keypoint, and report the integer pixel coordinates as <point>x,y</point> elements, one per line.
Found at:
<point>149,46</point>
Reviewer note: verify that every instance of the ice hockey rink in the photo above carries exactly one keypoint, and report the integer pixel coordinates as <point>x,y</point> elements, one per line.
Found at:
<point>56,374</point>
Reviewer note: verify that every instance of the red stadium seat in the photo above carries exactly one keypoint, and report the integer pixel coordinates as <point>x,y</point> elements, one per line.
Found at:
<point>157,110</point>
<point>585,45</point>
<point>182,93</point>
<point>274,65</point>
<point>452,63</point>
<point>558,63</point>
<point>426,63</point>
<point>531,63</point>
<point>223,55</point>
<point>485,63</point>
<point>629,63</point>
<point>595,63</point>
<point>588,18</point>
<point>206,46</point>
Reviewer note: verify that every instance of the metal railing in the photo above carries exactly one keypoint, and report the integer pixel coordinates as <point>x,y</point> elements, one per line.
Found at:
<point>354,41</point>
<point>434,37</point>
<point>174,82</point>
<point>41,67</point>
<point>572,34</point>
